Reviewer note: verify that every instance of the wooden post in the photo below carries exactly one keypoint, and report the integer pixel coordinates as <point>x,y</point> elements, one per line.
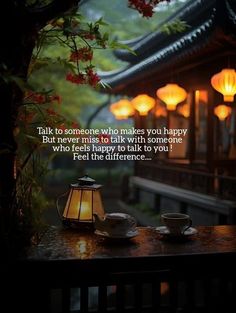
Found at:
<point>210,141</point>
<point>192,129</point>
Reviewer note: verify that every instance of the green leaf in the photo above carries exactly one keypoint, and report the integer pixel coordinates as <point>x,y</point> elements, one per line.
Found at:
<point>177,26</point>
<point>118,45</point>
<point>105,85</point>
<point>105,36</point>
<point>66,64</point>
<point>37,64</point>
<point>101,22</point>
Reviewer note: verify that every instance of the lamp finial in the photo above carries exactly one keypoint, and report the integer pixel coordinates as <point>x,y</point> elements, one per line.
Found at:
<point>86,180</point>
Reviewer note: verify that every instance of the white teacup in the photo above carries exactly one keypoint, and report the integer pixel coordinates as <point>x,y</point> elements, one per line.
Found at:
<point>115,224</point>
<point>177,223</point>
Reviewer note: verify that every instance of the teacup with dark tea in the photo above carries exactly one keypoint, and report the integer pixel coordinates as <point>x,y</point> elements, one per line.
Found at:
<point>176,223</point>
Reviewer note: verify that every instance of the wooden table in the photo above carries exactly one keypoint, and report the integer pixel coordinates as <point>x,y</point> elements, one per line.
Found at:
<point>60,244</point>
<point>69,258</point>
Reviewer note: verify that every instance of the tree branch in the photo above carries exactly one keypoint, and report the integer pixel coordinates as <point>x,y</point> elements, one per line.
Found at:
<point>42,15</point>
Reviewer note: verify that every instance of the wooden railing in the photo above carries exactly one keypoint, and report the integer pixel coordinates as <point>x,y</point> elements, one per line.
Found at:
<point>141,293</point>
<point>146,274</point>
<point>183,177</point>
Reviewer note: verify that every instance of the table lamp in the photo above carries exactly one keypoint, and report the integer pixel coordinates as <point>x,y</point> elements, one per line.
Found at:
<point>83,201</point>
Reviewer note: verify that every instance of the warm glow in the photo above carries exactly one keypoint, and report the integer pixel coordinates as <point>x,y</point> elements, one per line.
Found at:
<point>143,104</point>
<point>85,211</point>
<point>222,111</point>
<point>82,246</point>
<point>79,205</point>
<point>122,109</point>
<point>160,112</point>
<point>197,96</point>
<point>171,94</point>
<point>225,83</point>
<point>82,202</point>
<point>184,110</point>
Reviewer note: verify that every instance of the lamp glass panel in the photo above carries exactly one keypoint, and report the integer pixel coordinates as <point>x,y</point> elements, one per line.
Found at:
<point>97,203</point>
<point>86,205</point>
<point>72,205</point>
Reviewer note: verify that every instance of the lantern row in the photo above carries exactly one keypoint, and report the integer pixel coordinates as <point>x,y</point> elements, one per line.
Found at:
<point>173,94</point>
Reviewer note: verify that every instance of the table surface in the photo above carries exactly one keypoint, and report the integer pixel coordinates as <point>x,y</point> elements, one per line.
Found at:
<point>69,244</point>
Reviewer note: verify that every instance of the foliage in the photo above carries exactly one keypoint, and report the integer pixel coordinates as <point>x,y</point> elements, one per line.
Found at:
<point>52,64</point>
<point>30,199</point>
<point>79,39</point>
<point>125,23</point>
<point>33,159</point>
<point>41,108</point>
<point>68,47</point>
<point>177,26</point>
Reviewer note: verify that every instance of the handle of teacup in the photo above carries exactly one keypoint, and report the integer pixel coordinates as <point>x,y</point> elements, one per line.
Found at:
<point>188,226</point>
<point>58,206</point>
<point>133,222</point>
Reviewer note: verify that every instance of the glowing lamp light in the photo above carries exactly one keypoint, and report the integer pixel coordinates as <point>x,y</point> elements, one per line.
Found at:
<point>160,112</point>
<point>114,109</point>
<point>222,111</point>
<point>171,94</point>
<point>122,109</point>
<point>184,110</point>
<point>143,104</point>
<point>225,83</point>
<point>83,201</point>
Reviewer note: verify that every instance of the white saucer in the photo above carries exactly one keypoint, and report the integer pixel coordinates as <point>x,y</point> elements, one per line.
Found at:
<point>129,234</point>
<point>163,230</point>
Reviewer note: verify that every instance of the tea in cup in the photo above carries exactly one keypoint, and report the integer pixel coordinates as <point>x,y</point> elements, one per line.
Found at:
<point>115,224</point>
<point>176,223</point>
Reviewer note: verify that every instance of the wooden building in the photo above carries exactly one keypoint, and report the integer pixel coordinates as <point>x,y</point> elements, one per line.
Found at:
<point>198,176</point>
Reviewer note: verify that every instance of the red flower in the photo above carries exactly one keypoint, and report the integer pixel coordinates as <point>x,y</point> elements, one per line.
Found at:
<point>145,7</point>
<point>83,54</point>
<point>76,79</point>
<point>56,98</point>
<point>74,125</point>
<point>35,97</point>
<point>38,98</point>
<point>51,112</point>
<point>92,77</point>
<point>27,117</point>
<point>74,56</point>
<point>147,10</point>
<point>70,77</point>
<point>89,77</point>
<point>89,36</point>
<point>62,127</point>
